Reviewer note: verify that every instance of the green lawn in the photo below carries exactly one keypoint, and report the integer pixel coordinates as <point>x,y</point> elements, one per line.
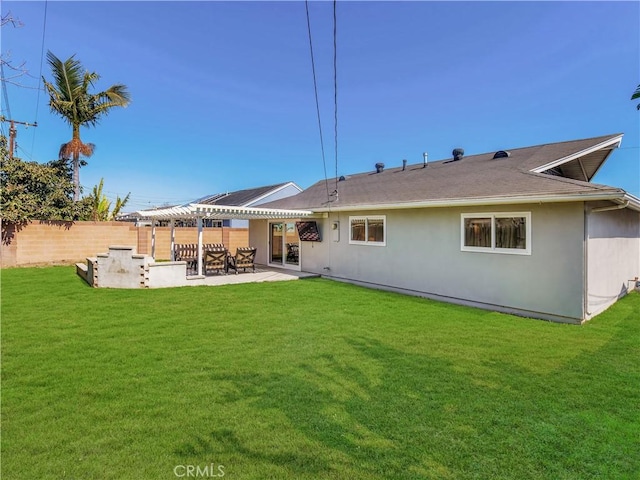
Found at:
<point>309,379</point>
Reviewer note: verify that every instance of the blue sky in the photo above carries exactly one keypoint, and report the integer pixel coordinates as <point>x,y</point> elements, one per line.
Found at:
<point>223,91</point>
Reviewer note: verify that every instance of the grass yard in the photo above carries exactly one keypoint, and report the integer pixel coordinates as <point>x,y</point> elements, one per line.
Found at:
<point>309,379</point>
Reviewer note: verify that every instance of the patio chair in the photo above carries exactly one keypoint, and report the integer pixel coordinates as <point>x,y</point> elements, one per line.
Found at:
<point>187,252</point>
<point>293,253</point>
<point>244,258</point>
<point>216,259</point>
<point>211,246</point>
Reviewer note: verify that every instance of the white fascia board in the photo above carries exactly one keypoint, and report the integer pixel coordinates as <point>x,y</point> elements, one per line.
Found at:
<point>169,212</point>
<point>634,202</point>
<point>271,192</point>
<point>482,201</point>
<point>612,142</point>
<point>232,211</point>
<point>194,210</point>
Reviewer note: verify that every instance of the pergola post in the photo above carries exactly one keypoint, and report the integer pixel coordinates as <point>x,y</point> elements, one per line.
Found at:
<point>199,221</point>
<point>153,239</point>
<point>199,212</point>
<point>172,223</point>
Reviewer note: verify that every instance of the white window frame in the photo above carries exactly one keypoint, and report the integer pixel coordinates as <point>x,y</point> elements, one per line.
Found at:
<point>366,230</point>
<point>492,248</point>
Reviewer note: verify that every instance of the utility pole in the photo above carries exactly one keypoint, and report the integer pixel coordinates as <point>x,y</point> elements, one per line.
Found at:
<point>13,132</point>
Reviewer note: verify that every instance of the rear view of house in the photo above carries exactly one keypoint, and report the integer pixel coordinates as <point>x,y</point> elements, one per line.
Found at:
<point>519,230</point>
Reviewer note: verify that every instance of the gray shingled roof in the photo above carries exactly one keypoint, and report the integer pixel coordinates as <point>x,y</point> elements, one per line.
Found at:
<point>472,178</point>
<point>239,197</point>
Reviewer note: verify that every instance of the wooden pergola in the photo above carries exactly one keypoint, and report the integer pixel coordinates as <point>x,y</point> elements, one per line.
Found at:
<point>200,212</point>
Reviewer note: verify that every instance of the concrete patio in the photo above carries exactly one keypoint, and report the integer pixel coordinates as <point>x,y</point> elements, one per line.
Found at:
<point>122,267</point>
<point>262,274</point>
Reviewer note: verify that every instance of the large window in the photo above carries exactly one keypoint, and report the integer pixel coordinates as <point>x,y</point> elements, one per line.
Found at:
<point>497,232</point>
<point>367,230</point>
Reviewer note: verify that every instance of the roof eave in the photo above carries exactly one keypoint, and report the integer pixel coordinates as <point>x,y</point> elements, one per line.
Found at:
<point>482,201</point>
<point>613,142</point>
<point>633,202</point>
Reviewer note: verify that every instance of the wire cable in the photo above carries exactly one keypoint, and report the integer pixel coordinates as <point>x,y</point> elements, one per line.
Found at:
<point>315,89</point>
<point>5,104</point>
<point>335,86</point>
<point>4,92</point>
<point>44,29</point>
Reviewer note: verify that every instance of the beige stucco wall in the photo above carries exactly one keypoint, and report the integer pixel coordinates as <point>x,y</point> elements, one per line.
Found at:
<point>258,231</point>
<point>613,256</point>
<point>423,256</point>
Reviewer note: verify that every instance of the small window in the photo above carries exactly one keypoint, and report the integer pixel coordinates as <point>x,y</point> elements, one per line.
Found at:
<point>511,232</point>
<point>477,232</point>
<point>369,230</point>
<point>497,232</point>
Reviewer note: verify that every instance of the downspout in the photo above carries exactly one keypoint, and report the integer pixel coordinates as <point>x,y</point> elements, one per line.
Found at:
<point>585,269</point>
<point>615,207</point>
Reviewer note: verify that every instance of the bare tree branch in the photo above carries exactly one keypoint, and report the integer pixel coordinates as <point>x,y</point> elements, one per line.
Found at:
<point>8,18</point>
<point>17,71</point>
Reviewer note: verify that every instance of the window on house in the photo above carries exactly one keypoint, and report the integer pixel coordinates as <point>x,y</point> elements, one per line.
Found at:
<point>212,223</point>
<point>497,232</point>
<point>367,230</point>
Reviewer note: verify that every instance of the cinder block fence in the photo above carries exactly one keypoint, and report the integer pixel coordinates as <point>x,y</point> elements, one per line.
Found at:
<point>48,242</point>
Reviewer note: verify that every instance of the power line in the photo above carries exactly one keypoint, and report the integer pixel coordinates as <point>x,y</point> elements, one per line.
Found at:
<point>315,89</point>
<point>26,154</point>
<point>13,132</point>
<point>335,86</point>
<point>44,29</point>
<point>4,91</point>
<point>142,198</point>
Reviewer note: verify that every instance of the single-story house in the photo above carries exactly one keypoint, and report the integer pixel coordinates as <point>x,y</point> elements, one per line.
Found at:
<point>250,197</point>
<point>522,230</point>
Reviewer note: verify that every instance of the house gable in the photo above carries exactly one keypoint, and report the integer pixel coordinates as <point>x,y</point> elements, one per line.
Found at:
<point>248,197</point>
<point>582,165</point>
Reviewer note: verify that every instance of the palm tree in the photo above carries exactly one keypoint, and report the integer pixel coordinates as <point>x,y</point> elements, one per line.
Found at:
<point>635,95</point>
<point>120,203</point>
<point>100,205</point>
<point>70,98</point>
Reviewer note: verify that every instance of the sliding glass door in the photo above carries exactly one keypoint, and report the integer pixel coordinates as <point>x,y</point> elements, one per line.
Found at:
<point>284,245</point>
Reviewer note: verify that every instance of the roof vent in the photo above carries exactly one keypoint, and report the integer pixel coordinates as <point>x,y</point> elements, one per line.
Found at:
<point>379,167</point>
<point>457,153</point>
<point>342,178</point>
<point>502,154</point>
<point>404,165</point>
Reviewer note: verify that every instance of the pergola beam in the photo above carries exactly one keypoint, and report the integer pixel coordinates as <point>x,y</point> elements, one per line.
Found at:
<point>217,212</point>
